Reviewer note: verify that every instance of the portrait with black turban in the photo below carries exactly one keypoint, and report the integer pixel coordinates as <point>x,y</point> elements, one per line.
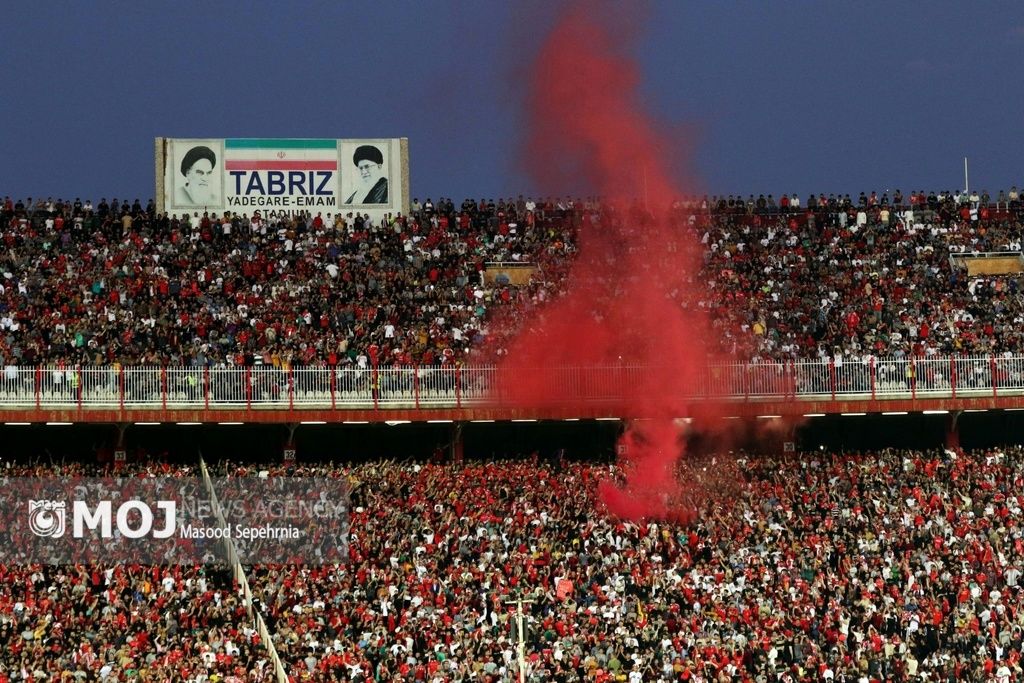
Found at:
<point>371,182</point>
<point>197,182</point>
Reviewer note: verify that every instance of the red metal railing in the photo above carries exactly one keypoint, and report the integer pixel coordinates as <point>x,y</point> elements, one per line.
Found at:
<point>451,386</point>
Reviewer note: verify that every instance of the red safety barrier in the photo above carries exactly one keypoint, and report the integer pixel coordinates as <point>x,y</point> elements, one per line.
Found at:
<point>78,387</point>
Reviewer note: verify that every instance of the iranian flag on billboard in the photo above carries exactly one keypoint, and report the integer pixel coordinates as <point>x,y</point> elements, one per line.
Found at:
<point>281,174</point>
<point>278,154</point>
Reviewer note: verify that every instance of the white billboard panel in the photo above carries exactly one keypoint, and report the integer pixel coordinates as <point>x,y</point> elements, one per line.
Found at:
<point>282,176</point>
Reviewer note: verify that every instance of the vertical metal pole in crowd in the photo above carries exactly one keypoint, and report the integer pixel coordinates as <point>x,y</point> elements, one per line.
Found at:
<point>967,184</point>
<point>522,636</point>
<point>522,641</point>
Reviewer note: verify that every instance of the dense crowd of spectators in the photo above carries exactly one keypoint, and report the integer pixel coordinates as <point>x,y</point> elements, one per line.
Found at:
<point>857,567</point>
<point>866,567</point>
<point>123,621</point>
<point>797,278</point>
<point>115,282</point>
<point>837,277</point>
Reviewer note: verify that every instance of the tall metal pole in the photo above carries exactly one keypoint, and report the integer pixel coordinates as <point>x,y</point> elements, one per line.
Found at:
<point>522,636</point>
<point>967,184</point>
<point>522,641</point>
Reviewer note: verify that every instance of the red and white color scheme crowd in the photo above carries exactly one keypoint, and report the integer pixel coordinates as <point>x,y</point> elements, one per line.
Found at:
<point>882,566</point>
<point>114,282</point>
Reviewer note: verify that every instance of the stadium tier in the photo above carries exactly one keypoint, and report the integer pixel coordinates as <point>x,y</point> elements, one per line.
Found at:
<point>114,282</point>
<point>889,565</point>
<point>112,305</point>
<point>827,565</point>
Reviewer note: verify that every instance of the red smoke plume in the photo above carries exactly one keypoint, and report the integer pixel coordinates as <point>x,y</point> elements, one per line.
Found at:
<point>631,305</point>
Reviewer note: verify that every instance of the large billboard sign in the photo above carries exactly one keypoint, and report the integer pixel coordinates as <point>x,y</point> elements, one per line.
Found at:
<point>282,176</point>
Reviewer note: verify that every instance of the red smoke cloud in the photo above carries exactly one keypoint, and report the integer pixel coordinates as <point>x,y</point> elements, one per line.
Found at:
<point>631,299</point>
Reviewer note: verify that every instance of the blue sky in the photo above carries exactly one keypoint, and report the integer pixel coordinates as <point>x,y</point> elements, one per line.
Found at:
<point>779,97</point>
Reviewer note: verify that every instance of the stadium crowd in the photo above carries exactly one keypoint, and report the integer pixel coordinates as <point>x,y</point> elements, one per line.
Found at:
<point>118,283</point>
<point>122,621</point>
<point>857,567</point>
<point>799,278</point>
<point>839,277</point>
<point>863,567</point>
